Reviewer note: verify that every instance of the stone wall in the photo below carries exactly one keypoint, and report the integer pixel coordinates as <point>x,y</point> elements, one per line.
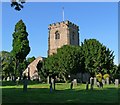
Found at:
<point>66,30</point>
<point>32,70</point>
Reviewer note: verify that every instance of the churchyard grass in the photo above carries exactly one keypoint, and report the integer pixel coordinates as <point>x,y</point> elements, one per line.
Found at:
<point>40,93</point>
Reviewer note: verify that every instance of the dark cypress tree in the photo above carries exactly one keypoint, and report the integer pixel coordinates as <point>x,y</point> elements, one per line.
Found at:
<point>20,45</point>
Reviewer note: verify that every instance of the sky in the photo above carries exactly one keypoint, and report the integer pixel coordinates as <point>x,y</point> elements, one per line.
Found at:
<point>98,20</point>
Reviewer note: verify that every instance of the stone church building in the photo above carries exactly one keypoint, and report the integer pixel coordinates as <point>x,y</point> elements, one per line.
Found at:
<point>59,34</point>
<point>62,33</point>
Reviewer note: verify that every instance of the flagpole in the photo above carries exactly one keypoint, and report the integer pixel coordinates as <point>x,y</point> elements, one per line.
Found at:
<point>63,12</point>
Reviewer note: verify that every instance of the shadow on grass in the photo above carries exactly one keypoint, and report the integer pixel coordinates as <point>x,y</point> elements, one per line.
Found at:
<point>12,83</point>
<point>107,96</point>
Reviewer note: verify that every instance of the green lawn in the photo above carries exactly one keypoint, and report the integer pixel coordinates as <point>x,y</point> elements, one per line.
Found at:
<point>39,93</point>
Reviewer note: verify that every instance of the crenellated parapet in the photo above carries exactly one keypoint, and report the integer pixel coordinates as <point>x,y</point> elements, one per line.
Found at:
<point>68,33</point>
<point>63,24</point>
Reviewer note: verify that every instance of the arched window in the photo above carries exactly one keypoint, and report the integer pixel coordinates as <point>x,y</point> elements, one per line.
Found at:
<point>57,35</point>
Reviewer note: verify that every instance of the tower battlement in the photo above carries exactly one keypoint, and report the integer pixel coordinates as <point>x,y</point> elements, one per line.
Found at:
<point>63,24</point>
<point>62,33</point>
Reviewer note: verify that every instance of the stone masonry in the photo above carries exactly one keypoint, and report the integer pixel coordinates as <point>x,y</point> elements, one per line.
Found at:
<point>62,33</point>
<point>32,69</point>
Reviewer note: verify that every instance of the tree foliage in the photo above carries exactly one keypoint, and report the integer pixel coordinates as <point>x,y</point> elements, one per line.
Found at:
<point>20,44</point>
<point>98,58</point>
<point>20,41</point>
<point>7,64</point>
<point>41,71</point>
<point>91,56</point>
<point>30,59</point>
<point>17,5</point>
<point>65,62</point>
<point>116,72</point>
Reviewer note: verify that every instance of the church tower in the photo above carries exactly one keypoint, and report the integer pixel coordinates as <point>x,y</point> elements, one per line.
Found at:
<point>62,33</point>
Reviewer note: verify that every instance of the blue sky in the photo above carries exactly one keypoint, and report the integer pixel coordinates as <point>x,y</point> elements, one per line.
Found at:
<point>97,20</point>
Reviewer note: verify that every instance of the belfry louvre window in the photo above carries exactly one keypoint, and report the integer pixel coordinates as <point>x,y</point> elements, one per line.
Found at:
<point>73,36</point>
<point>57,35</point>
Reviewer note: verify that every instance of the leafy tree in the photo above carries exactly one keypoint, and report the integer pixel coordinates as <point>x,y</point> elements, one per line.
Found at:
<point>106,76</point>
<point>17,5</point>
<point>98,58</point>
<point>50,68</point>
<point>70,58</point>
<point>20,44</point>
<point>7,64</point>
<point>116,72</point>
<point>91,56</point>
<point>99,77</point>
<point>49,65</point>
<point>67,61</point>
<point>30,59</point>
<point>41,71</point>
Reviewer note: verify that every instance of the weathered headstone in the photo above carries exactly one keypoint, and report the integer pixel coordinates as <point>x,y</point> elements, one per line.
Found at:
<point>91,83</point>
<point>52,80</point>
<point>3,79</point>
<point>116,82</point>
<point>8,78</point>
<point>17,78</point>
<point>103,81</point>
<point>39,78</point>
<point>0,78</point>
<point>98,84</point>
<point>48,80</point>
<point>95,81</point>
<point>75,82</point>
<point>107,81</point>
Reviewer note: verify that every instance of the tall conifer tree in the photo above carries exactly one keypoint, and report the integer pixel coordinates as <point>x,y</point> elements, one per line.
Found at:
<point>20,44</point>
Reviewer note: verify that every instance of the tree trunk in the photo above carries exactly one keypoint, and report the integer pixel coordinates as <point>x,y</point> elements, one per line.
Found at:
<point>20,74</point>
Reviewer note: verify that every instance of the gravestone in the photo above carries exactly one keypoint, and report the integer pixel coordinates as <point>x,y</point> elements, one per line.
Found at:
<point>48,80</point>
<point>91,83</point>
<point>98,84</point>
<point>52,80</point>
<point>8,78</point>
<point>95,81</point>
<point>103,81</point>
<point>107,81</point>
<point>0,78</point>
<point>116,82</point>
<point>3,79</point>
<point>75,82</point>
<point>18,79</point>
